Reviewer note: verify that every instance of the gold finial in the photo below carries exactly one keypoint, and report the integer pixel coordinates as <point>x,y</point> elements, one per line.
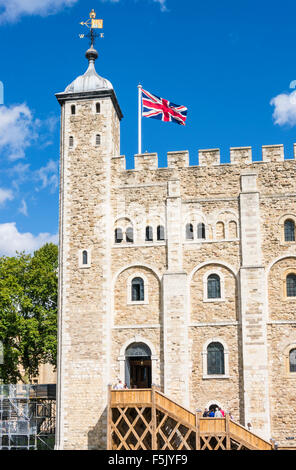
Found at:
<point>92,14</point>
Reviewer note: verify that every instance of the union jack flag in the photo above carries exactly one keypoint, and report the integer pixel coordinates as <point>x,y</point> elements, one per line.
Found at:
<point>159,108</point>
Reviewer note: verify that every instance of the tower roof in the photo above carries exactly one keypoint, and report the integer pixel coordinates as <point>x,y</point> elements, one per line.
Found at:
<point>90,80</point>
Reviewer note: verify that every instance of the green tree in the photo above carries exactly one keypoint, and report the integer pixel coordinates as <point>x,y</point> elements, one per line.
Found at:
<point>28,312</point>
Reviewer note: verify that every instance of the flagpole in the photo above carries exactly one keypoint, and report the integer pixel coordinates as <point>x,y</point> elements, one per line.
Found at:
<point>139,119</point>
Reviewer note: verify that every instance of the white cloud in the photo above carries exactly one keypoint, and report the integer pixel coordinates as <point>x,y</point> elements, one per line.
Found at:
<point>284,109</point>
<point>11,240</point>
<point>5,195</point>
<point>17,130</point>
<point>48,175</point>
<point>23,209</point>
<point>13,10</point>
<point>162,4</point>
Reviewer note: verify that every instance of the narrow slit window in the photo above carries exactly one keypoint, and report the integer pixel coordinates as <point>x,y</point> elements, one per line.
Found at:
<point>149,234</point>
<point>189,232</point>
<point>71,141</point>
<point>129,235</point>
<point>160,232</point>
<point>201,231</point>
<point>73,109</point>
<point>98,139</point>
<point>289,230</point>
<point>118,235</point>
<point>84,257</point>
<point>98,108</point>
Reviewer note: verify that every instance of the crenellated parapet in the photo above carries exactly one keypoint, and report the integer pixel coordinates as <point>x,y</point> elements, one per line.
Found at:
<point>207,158</point>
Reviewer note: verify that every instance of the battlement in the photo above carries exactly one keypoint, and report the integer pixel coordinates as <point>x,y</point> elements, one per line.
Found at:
<point>207,158</point>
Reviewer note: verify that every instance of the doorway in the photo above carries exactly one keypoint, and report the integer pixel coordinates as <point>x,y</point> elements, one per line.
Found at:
<point>138,366</point>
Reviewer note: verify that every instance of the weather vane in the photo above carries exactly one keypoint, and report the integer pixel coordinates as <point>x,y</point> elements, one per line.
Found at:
<point>92,24</point>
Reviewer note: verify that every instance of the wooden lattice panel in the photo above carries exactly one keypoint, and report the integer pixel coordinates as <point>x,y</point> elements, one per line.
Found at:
<point>131,428</point>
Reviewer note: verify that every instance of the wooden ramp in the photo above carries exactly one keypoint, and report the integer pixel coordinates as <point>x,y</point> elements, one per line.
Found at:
<point>145,419</point>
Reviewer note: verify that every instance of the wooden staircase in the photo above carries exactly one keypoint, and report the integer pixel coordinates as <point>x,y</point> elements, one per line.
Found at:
<point>145,419</point>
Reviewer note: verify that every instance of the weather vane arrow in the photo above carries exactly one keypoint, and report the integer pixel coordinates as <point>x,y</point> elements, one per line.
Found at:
<point>92,24</point>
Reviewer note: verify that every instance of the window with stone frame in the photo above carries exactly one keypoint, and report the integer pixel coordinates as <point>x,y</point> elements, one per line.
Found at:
<point>189,232</point>
<point>118,235</point>
<point>213,287</point>
<point>73,109</point>
<point>292,360</point>
<point>71,141</point>
<point>149,234</point>
<point>201,231</point>
<point>291,285</point>
<point>215,359</point>
<point>84,257</point>
<point>98,108</point>
<point>98,139</point>
<point>220,231</point>
<point>129,234</point>
<point>160,232</point>
<point>289,230</point>
<point>137,286</point>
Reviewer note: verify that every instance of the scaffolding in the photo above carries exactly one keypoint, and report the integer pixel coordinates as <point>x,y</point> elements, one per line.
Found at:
<point>27,417</point>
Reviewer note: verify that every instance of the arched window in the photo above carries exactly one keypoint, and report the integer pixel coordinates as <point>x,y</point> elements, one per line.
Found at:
<point>215,359</point>
<point>71,141</point>
<point>84,257</point>
<point>137,289</point>
<point>149,234</point>
<point>160,232</point>
<point>118,235</point>
<point>129,235</point>
<point>220,231</point>
<point>189,232</point>
<point>289,228</point>
<point>98,108</point>
<point>292,360</point>
<point>214,286</point>
<point>201,231</point>
<point>291,285</point>
<point>73,109</point>
<point>232,229</point>
<point>98,139</point>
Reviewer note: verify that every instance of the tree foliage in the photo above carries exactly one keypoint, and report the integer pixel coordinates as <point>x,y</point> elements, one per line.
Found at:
<point>28,312</point>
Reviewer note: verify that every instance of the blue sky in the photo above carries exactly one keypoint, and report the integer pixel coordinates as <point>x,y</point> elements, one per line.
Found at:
<point>231,63</point>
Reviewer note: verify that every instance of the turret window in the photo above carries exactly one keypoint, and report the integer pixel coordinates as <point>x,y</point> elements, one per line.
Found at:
<point>215,359</point>
<point>149,234</point>
<point>71,141</point>
<point>129,235</point>
<point>291,285</point>
<point>84,257</point>
<point>201,231</point>
<point>98,139</point>
<point>118,235</point>
<point>137,289</point>
<point>73,109</point>
<point>189,232</point>
<point>292,360</point>
<point>98,108</point>
<point>214,287</point>
<point>160,232</point>
<point>289,229</point>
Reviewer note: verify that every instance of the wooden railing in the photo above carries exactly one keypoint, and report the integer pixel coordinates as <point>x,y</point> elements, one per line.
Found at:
<point>147,419</point>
